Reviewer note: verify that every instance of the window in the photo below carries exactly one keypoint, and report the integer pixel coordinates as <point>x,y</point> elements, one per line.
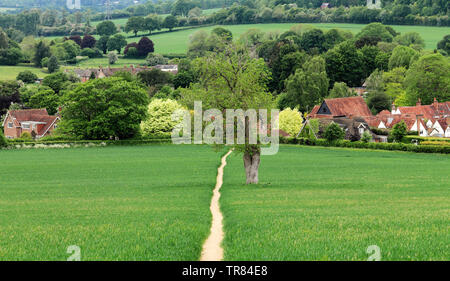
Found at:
<point>374,2</point>
<point>26,125</point>
<point>361,131</point>
<point>10,125</point>
<point>324,109</point>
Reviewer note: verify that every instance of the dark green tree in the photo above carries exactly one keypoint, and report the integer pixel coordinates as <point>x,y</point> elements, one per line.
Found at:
<point>106,28</point>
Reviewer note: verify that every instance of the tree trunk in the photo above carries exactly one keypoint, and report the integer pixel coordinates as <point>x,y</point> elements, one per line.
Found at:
<point>251,164</point>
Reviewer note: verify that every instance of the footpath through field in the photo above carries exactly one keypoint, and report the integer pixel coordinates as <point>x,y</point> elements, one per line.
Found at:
<point>212,249</point>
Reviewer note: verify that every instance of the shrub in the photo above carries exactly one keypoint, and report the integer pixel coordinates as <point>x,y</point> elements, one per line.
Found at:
<point>27,76</point>
<point>399,131</point>
<point>155,59</point>
<point>333,132</point>
<point>25,136</point>
<point>53,64</point>
<point>112,57</point>
<point>160,117</point>
<point>3,140</point>
<point>132,53</point>
<point>366,137</point>
<point>91,53</point>
<point>290,121</point>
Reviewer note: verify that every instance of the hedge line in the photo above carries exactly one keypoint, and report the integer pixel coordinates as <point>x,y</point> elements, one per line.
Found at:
<point>370,145</point>
<point>408,139</point>
<point>88,142</point>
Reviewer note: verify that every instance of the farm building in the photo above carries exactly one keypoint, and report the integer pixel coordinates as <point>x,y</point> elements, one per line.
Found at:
<point>37,122</point>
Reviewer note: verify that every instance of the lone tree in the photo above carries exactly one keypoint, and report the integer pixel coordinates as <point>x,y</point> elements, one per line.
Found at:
<point>106,28</point>
<point>233,80</point>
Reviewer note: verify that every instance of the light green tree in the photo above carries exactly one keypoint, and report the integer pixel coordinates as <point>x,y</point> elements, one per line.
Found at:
<point>159,118</point>
<point>290,121</point>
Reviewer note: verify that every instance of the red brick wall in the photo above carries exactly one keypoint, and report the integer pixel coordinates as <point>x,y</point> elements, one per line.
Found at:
<point>11,132</point>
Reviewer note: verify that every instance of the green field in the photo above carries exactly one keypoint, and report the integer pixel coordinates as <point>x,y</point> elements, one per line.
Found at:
<point>11,72</point>
<point>152,203</point>
<point>177,41</point>
<point>115,203</point>
<point>331,204</point>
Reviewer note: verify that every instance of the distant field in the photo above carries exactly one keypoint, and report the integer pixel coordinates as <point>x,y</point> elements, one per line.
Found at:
<point>11,72</point>
<point>177,41</point>
<point>115,203</point>
<point>331,204</point>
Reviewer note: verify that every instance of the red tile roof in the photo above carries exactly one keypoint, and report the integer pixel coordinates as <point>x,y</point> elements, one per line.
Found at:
<point>33,115</point>
<point>349,107</point>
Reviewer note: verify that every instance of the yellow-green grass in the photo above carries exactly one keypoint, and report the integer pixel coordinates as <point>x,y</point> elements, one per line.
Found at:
<point>115,203</point>
<point>331,204</point>
<point>11,72</point>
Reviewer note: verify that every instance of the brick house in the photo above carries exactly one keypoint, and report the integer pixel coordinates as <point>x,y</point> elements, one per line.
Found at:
<point>37,122</point>
<point>341,107</point>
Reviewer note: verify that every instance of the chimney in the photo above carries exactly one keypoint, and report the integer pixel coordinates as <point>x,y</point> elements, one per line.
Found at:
<point>419,102</point>
<point>393,108</point>
<point>435,104</point>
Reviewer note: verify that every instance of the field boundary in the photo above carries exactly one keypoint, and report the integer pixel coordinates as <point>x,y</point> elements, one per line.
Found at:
<point>212,248</point>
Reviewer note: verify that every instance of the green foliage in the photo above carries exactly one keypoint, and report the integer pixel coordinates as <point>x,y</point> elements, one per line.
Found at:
<point>91,53</point>
<point>290,121</point>
<point>10,56</point>
<point>340,90</point>
<point>106,28</point>
<point>57,81</point>
<point>9,93</point>
<point>104,108</point>
<point>366,137</point>
<point>135,24</point>
<point>307,87</point>
<point>429,78</point>
<point>170,22</point>
<point>27,77</point>
<point>154,77</point>
<point>410,39</point>
<point>26,136</point>
<point>344,63</point>
<point>333,132</point>
<point>3,140</point>
<point>116,42</point>
<point>45,98</point>
<point>112,57</point>
<point>159,117</point>
<point>399,131</point>
<point>155,59</point>
<point>53,64</point>
<point>375,29</point>
<point>444,44</point>
<point>223,33</point>
<point>402,56</point>
<point>41,51</point>
<point>102,44</point>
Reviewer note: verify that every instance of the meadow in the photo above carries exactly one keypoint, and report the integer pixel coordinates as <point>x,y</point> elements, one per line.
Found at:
<point>331,204</point>
<point>115,203</point>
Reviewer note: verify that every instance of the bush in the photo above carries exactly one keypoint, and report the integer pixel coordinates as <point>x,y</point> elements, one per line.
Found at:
<point>112,57</point>
<point>334,132</point>
<point>25,136</point>
<point>155,59</point>
<point>91,53</point>
<point>53,64</point>
<point>44,62</point>
<point>366,137</point>
<point>3,140</point>
<point>132,53</point>
<point>160,117</point>
<point>27,77</point>
<point>290,121</point>
<point>399,131</point>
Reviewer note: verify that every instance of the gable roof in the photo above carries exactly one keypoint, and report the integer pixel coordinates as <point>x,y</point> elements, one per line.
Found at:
<point>349,106</point>
<point>32,115</point>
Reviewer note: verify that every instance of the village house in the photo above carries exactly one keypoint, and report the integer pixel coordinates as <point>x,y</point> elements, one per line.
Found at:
<point>101,72</point>
<point>341,107</point>
<point>37,122</point>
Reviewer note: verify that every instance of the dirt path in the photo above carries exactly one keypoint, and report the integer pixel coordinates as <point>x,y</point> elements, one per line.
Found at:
<point>212,249</point>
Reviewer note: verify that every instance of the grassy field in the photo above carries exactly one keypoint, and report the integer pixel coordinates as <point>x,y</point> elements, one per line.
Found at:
<point>177,42</point>
<point>115,203</point>
<point>11,72</point>
<point>331,204</point>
